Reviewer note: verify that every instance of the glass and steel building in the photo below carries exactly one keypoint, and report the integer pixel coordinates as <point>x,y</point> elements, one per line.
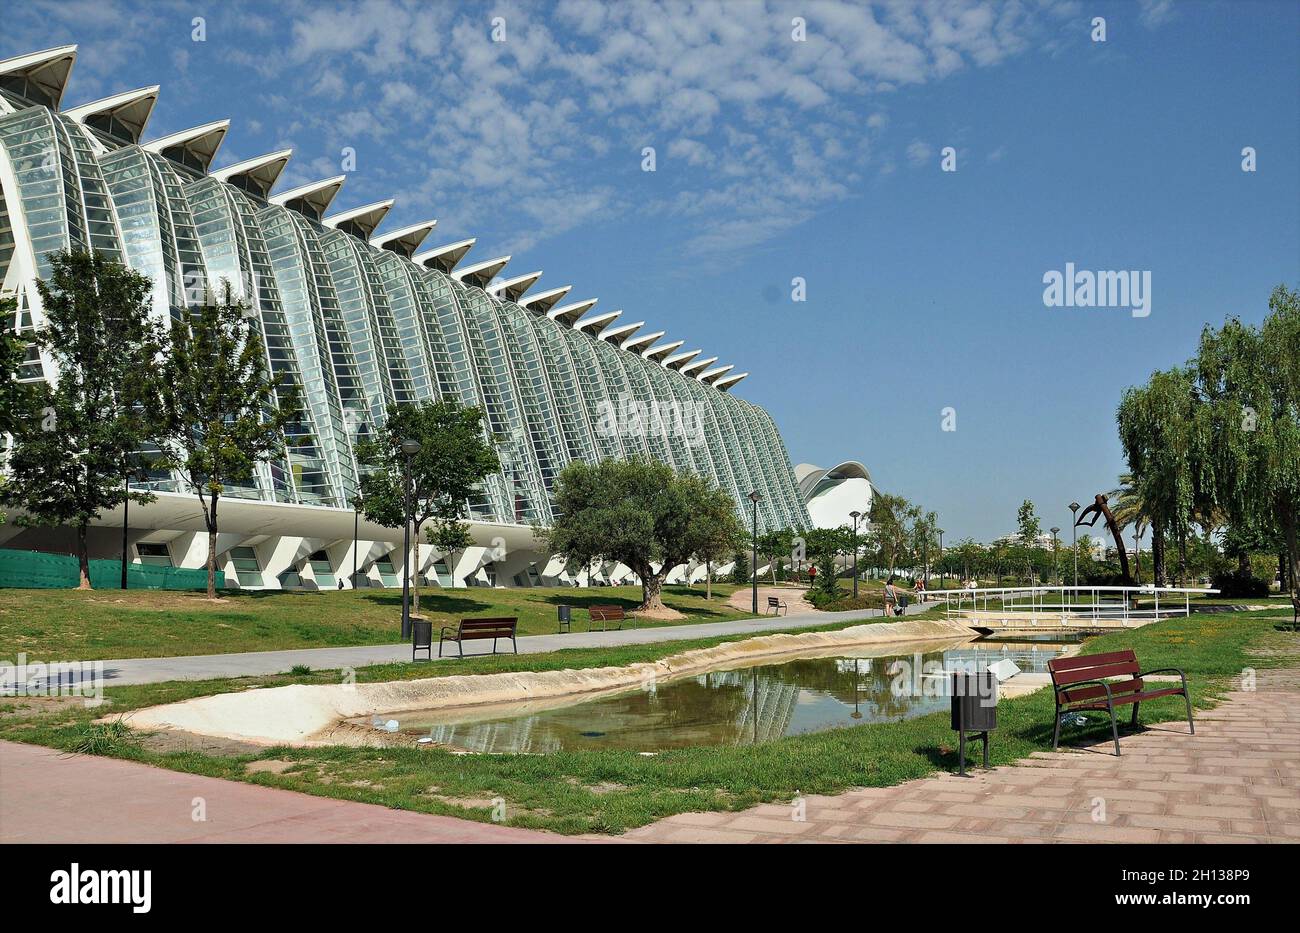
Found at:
<point>355,319</point>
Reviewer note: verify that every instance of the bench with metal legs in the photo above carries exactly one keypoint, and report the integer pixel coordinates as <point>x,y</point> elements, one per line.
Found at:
<point>1087,682</point>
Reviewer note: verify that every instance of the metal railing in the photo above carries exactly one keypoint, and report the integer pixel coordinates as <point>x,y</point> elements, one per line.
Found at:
<point>1073,606</point>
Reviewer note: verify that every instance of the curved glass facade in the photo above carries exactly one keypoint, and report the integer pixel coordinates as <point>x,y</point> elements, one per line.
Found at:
<point>354,327</point>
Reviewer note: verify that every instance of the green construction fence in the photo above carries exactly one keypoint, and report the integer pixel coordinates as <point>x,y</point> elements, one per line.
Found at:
<point>38,570</point>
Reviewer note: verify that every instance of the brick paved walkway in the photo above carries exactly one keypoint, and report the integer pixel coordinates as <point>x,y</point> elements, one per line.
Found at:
<point>1236,780</point>
<point>49,797</point>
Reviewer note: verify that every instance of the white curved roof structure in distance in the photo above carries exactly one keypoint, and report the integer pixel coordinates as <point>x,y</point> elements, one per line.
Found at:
<point>830,495</point>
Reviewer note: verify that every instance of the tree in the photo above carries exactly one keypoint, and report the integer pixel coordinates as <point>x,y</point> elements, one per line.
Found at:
<point>74,441</point>
<point>448,535</point>
<point>17,399</point>
<point>1165,444</point>
<point>1249,380</point>
<point>453,460</point>
<point>221,411</point>
<point>772,544</point>
<point>889,518</point>
<point>718,542</point>
<point>641,514</point>
<point>1028,529</point>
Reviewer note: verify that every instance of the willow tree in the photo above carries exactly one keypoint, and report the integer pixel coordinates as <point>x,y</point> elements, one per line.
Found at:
<point>642,514</point>
<point>1164,436</point>
<point>1249,380</point>
<point>221,410</point>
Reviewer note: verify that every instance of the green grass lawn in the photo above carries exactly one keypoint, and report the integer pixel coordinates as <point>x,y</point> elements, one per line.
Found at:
<point>102,624</point>
<point>610,791</point>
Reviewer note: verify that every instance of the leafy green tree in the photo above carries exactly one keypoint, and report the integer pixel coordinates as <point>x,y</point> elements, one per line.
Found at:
<point>740,568</point>
<point>773,545</point>
<point>1166,445</point>
<point>890,515</point>
<point>719,540</point>
<point>1249,379</point>
<point>17,400</point>
<point>75,441</point>
<point>453,460</point>
<point>641,514</point>
<point>450,536</point>
<point>221,411</point>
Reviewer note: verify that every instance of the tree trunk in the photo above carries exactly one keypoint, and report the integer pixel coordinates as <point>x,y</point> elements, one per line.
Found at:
<point>708,579</point>
<point>212,548</point>
<point>651,591</point>
<point>1243,563</point>
<point>1291,535</point>
<point>1158,554</point>
<point>83,557</point>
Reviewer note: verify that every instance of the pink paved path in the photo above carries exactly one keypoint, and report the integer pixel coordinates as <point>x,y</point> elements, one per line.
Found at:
<point>49,797</point>
<point>1236,780</point>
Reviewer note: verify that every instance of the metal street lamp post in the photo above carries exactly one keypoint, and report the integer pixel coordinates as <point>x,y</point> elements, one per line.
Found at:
<point>356,534</point>
<point>410,447</point>
<point>1056,563</point>
<point>855,515</point>
<point>754,497</point>
<point>941,573</point>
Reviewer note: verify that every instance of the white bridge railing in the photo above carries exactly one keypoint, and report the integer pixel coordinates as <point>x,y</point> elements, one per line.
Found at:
<point>1075,606</point>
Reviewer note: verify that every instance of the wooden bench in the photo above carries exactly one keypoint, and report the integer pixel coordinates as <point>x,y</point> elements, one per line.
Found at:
<point>774,606</point>
<point>604,615</point>
<point>1086,682</point>
<point>468,629</point>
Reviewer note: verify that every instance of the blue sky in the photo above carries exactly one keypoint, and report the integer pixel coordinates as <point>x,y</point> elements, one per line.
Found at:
<point>778,159</point>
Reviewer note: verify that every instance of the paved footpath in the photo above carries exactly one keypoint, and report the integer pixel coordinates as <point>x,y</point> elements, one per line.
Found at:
<point>46,796</point>
<point>128,671</point>
<point>1236,780</point>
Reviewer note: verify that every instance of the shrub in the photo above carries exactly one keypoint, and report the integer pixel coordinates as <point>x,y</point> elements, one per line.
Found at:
<point>1238,585</point>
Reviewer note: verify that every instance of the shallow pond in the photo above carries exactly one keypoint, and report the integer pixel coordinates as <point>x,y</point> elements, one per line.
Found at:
<point>737,706</point>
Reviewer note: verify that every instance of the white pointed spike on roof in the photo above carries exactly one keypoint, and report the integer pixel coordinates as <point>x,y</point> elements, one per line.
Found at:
<point>660,352</point>
<point>632,343</point>
<point>405,241</point>
<point>622,332</point>
<point>319,194</point>
<point>481,273</point>
<point>513,289</point>
<point>545,301</point>
<point>444,258</point>
<point>715,373</point>
<point>365,218</point>
<point>570,313</point>
<point>726,382</point>
<point>202,141</point>
<point>677,360</point>
<point>49,68</point>
<point>130,108</point>
<point>597,322</point>
<point>263,169</point>
<point>698,365</point>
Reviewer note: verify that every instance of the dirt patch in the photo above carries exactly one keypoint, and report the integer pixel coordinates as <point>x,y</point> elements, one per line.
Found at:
<point>27,706</point>
<point>743,599</point>
<point>666,614</point>
<point>167,741</point>
<point>269,766</point>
